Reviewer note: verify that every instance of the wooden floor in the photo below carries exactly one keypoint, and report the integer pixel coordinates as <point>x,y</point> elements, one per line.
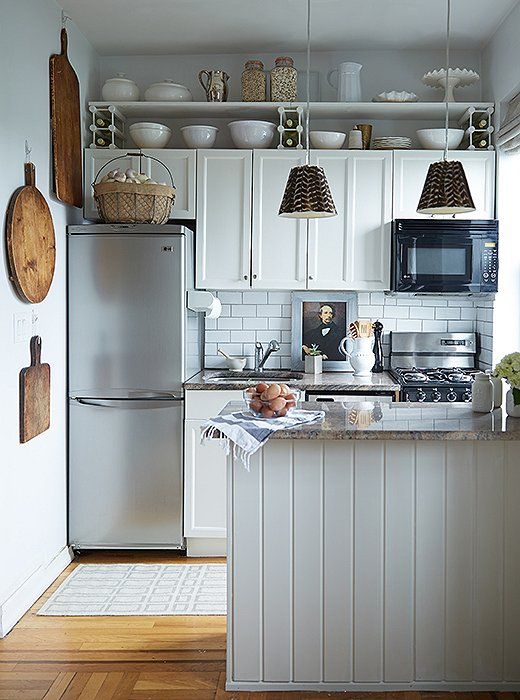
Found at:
<point>135,658</point>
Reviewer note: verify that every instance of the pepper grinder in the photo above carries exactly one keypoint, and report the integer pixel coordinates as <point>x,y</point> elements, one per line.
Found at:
<point>378,347</point>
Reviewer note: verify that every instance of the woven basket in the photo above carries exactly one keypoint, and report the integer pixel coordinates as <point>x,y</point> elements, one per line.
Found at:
<point>132,203</point>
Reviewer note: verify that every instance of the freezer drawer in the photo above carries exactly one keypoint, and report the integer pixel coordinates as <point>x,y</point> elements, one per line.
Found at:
<point>125,472</point>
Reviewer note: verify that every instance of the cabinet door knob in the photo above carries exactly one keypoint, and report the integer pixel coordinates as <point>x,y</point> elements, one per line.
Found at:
<point>245,277</point>
<point>311,277</point>
<point>255,276</point>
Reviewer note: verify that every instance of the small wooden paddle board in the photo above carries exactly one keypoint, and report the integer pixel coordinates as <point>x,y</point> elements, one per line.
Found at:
<point>35,394</point>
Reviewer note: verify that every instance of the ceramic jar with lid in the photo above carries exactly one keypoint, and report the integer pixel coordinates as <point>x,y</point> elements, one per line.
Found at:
<point>254,82</point>
<point>482,393</point>
<point>284,80</point>
<point>167,91</point>
<point>120,89</point>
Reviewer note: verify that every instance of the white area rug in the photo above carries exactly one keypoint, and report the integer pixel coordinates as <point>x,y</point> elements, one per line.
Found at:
<point>141,589</point>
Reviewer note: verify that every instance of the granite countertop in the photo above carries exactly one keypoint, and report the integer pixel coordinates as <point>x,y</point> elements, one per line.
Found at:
<point>372,420</point>
<point>330,381</point>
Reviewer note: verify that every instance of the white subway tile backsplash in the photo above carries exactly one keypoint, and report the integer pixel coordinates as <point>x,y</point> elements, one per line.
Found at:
<point>422,312</point>
<point>447,312</point>
<point>243,310</point>
<point>254,315</point>
<point>228,324</point>
<point>279,297</point>
<point>280,324</point>
<point>396,312</point>
<point>269,310</point>
<point>254,297</point>
<point>243,336</point>
<point>230,297</point>
<point>217,336</point>
<point>254,324</point>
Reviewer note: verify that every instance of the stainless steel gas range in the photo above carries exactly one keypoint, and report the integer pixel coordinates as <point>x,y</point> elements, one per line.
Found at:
<point>437,367</point>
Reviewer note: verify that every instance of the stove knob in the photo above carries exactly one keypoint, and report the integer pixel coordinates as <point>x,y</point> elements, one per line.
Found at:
<point>421,396</point>
<point>451,396</point>
<point>436,395</point>
<point>466,396</point>
<point>407,396</point>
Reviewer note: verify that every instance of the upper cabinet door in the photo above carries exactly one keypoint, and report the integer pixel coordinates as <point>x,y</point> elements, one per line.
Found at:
<point>410,168</point>
<point>181,163</point>
<point>97,160</point>
<point>223,219</point>
<point>279,244</point>
<point>352,250</point>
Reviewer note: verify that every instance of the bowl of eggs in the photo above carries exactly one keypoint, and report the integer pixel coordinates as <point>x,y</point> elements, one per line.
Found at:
<point>271,400</point>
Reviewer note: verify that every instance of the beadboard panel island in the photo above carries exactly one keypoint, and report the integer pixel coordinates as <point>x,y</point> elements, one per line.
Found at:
<point>377,557</point>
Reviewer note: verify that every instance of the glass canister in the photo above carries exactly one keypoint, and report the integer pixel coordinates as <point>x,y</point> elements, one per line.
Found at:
<point>254,82</point>
<point>284,80</point>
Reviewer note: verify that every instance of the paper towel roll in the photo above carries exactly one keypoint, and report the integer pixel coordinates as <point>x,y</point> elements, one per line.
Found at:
<point>214,309</point>
<point>204,302</point>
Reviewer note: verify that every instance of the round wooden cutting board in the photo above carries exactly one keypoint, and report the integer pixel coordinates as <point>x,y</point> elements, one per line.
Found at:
<point>31,246</point>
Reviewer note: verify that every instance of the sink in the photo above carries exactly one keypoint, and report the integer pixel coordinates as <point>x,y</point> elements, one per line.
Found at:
<point>250,376</point>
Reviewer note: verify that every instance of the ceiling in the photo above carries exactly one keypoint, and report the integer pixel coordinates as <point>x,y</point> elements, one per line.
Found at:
<point>123,27</point>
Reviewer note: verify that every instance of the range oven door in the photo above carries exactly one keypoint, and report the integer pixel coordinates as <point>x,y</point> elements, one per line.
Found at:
<point>437,263</point>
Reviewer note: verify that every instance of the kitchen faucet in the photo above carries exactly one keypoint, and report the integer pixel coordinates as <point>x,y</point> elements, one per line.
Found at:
<point>261,357</point>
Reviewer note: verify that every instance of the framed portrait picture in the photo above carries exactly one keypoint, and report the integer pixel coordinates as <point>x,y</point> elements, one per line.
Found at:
<point>322,320</point>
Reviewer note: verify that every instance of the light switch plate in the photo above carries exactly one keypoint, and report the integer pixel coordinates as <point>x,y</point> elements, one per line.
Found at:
<point>22,326</point>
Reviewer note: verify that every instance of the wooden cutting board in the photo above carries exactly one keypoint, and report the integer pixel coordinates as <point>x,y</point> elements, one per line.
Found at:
<point>35,394</point>
<point>65,127</point>
<point>31,245</point>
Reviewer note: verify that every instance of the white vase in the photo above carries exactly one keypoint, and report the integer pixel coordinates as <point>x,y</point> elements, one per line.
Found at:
<point>482,393</point>
<point>512,409</point>
<point>314,364</point>
<point>362,357</point>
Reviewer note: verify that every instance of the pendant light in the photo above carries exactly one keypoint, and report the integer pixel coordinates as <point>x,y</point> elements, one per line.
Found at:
<point>307,193</point>
<point>446,189</point>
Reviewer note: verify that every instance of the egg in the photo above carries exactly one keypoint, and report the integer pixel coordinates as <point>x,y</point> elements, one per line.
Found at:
<point>120,177</point>
<point>251,390</point>
<point>267,412</point>
<point>130,172</point>
<point>277,404</point>
<point>272,392</point>
<point>283,412</point>
<point>256,405</point>
<point>260,388</point>
<point>284,390</point>
<point>142,177</point>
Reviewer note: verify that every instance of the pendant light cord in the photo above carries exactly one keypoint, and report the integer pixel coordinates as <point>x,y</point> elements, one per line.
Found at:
<point>446,115</point>
<point>308,84</point>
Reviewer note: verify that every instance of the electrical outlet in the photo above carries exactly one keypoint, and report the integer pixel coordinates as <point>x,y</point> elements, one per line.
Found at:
<point>22,326</point>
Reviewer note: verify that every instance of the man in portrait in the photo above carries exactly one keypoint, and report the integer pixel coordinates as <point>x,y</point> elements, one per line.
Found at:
<point>326,334</point>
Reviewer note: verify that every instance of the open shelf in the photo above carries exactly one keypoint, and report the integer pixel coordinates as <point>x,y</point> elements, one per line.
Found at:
<point>427,111</point>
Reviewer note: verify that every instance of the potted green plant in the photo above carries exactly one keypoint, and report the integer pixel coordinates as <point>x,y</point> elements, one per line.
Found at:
<point>509,369</point>
<point>313,359</point>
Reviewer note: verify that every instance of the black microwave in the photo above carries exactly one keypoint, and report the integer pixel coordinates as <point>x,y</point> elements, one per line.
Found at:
<point>444,255</point>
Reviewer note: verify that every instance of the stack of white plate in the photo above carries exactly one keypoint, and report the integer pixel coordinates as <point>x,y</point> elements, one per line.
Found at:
<point>384,143</point>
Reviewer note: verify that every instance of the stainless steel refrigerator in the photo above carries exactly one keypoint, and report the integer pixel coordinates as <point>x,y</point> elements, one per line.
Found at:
<point>132,344</point>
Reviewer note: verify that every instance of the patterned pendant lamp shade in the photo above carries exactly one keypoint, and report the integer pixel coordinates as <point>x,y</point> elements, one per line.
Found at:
<point>446,190</point>
<point>307,194</point>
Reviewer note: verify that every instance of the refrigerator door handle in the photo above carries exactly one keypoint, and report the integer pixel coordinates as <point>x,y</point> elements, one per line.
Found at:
<point>128,403</point>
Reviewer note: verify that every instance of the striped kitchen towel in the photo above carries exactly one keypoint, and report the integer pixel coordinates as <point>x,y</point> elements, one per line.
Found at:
<point>248,433</point>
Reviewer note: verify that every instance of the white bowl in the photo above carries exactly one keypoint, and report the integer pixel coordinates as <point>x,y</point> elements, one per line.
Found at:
<point>236,363</point>
<point>167,91</point>
<point>196,136</point>
<point>252,134</point>
<point>150,135</point>
<point>327,139</point>
<point>434,138</point>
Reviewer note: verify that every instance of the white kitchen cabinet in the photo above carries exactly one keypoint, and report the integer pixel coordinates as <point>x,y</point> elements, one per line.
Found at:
<point>352,250</point>
<point>279,252</point>
<point>410,168</point>
<point>204,473</point>
<point>223,218</point>
<point>181,163</point>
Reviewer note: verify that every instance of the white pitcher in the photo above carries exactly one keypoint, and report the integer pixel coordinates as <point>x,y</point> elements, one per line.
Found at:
<point>349,81</point>
<point>362,357</point>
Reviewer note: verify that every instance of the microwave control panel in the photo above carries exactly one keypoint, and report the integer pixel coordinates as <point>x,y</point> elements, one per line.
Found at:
<point>489,262</point>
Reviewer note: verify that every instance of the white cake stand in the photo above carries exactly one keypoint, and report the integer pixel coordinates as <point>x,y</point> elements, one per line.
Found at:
<point>457,77</point>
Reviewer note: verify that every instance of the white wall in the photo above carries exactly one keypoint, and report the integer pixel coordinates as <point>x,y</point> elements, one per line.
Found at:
<point>382,71</point>
<point>501,82</point>
<point>33,508</point>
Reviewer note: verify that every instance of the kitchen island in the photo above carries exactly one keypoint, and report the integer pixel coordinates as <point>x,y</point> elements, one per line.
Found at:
<point>378,550</point>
